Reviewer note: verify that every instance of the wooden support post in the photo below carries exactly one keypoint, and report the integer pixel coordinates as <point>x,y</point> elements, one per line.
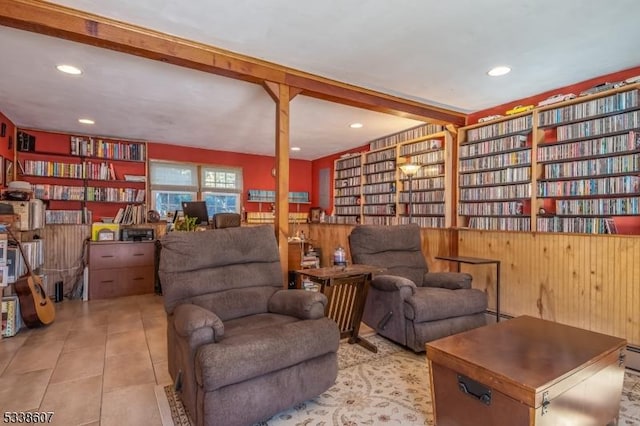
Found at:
<point>282,94</point>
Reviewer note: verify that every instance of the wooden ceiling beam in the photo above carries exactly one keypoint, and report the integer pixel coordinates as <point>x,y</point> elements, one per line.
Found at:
<point>71,24</point>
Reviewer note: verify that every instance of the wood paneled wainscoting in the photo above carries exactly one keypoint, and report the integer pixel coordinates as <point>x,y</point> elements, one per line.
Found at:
<point>435,242</point>
<point>63,251</point>
<point>588,281</point>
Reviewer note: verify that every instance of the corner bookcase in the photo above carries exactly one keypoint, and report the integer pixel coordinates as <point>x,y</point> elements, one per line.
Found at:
<point>83,178</point>
<point>347,189</point>
<point>370,189</point>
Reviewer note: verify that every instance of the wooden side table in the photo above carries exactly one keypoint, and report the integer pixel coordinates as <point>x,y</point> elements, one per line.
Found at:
<point>346,289</point>
<point>479,261</point>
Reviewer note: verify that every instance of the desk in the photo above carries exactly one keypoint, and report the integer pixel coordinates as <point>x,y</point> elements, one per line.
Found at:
<point>479,261</point>
<point>346,289</point>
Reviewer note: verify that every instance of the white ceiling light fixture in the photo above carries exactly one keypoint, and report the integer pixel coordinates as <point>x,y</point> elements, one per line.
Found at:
<point>295,148</point>
<point>356,125</point>
<point>498,71</point>
<point>69,69</point>
<point>86,121</point>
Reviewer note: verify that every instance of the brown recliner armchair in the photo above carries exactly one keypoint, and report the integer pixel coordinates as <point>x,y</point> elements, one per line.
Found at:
<point>241,347</point>
<point>409,304</point>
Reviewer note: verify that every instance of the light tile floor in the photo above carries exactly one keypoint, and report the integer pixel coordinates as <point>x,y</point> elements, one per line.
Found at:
<point>96,364</point>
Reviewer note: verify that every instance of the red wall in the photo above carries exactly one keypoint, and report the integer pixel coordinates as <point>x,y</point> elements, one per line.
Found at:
<point>256,169</point>
<point>5,152</point>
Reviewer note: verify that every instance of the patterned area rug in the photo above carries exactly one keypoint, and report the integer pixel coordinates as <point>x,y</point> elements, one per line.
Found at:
<point>391,386</point>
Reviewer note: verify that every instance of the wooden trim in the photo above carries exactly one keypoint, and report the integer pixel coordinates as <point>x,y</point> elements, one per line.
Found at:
<point>273,89</point>
<point>82,27</point>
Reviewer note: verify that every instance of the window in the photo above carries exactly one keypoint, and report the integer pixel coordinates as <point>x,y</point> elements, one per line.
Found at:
<point>173,183</point>
<point>221,189</point>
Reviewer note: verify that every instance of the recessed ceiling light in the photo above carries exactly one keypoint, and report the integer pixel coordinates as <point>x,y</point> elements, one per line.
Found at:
<point>86,121</point>
<point>295,148</point>
<point>498,71</point>
<point>69,69</point>
<point>356,125</point>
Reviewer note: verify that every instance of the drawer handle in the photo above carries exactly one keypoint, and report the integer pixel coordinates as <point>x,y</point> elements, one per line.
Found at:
<point>109,281</point>
<point>138,278</point>
<point>474,389</point>
<point>107,255</point>
<point>138,254</point>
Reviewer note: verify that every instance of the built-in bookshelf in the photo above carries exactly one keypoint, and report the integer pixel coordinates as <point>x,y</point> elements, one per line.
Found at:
<point>268,217</point>
<point>494,174</point>
<point>262,196</point>
<point>379,180</point>
<point>418,132</point>
<point>91,173</point>
<point>267,196</point>
<point>347,189</point>
<point>428,193</point>
<point>589,161</point>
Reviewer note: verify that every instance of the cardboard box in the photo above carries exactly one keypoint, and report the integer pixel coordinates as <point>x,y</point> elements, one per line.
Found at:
<point>99,226</point>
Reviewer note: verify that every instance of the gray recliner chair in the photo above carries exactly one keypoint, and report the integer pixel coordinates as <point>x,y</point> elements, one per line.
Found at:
<point>409,304</point>
<point>240,346</point>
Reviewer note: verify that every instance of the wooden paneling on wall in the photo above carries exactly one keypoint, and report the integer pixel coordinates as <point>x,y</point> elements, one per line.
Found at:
<point>63,248</point>
<point>435,242</point>
<point>587,281</point>
<point>592,282</point>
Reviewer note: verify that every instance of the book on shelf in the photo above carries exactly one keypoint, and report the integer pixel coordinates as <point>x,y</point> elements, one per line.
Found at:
<point>130,215</point>
<point>610,226</point>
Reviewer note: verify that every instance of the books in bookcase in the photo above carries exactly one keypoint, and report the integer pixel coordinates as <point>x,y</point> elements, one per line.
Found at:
<point>131,214</point>
<point>70,217</point>
<point>15,263</point>
<point>96,147</point>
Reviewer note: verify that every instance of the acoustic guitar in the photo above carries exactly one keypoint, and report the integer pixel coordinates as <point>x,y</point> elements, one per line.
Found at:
<point>35,306</point>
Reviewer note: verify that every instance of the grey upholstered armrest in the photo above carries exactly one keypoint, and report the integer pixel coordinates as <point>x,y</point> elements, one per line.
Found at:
<point>450,280</point>
<point>392,283</point>
<point>301,304</point>
<point>191,318</point>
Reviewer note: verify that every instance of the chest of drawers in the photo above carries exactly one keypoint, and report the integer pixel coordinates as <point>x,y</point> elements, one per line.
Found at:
<point>121,268</point>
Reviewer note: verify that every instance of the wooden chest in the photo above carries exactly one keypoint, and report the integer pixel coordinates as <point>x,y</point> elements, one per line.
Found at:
<point>121,268</point>
<point>526,371</point>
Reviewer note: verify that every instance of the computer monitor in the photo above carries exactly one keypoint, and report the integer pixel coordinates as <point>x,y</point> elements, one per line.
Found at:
<point>197,209</point>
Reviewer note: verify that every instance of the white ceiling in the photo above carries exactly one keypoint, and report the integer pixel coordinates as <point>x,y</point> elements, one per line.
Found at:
<point>435,52</point>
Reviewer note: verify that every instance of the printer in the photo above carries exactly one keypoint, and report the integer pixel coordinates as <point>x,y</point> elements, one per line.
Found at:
<point>137,234</point>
